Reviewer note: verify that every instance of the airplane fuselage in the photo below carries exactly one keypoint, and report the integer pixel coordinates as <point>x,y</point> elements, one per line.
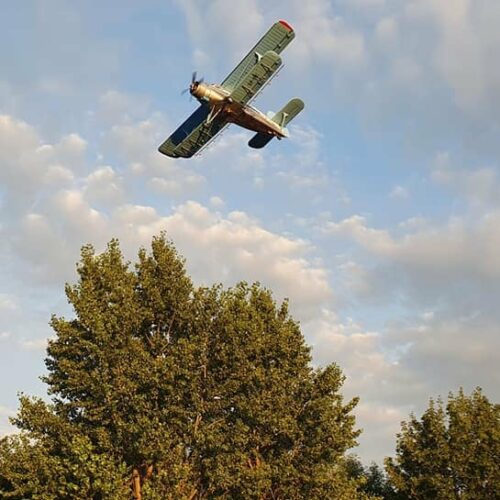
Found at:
<point>221,105</point>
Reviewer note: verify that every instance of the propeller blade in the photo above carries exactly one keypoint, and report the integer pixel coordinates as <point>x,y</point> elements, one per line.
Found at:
<point>184,91</point>
<point>193,78</point>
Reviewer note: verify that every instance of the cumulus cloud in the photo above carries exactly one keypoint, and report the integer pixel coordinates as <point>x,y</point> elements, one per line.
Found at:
<point>5,413</point>
<point>218,27</point>
<point>228,249</point>
<point>29,165</point>
<point>461,250</point>
<point>219,247</point>
<point>468,39</point>
<point>7,303</point>
<point>308,169</point>
<point>104,186</point>
<point>136,144</point>
<point>441,284</point>
<point>116,107</point>
<point>387,391</point>
<point>453,347</point>
<point>34,344</point>
<point>478,186</point>
<point>387,31</point>
<point>399,192</point>
<point>232,248</point>
<point>326,36</point>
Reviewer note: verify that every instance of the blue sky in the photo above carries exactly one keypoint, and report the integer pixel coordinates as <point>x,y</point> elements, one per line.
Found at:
<point>378,218</point>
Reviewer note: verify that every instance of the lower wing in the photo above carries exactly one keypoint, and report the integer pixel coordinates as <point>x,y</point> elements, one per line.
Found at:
<point>192,135</point>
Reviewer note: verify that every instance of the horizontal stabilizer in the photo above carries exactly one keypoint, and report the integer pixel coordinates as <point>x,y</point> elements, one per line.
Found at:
<point>283,117</point>
<point>259,140</point>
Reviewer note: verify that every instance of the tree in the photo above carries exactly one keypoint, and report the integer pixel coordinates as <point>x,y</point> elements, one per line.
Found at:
<point>377,482</point>
<point>450,452</point>
<point>373,480</point>
<point>171,391</point>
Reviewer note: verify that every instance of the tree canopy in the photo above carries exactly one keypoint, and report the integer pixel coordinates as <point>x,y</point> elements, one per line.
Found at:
<point>160,389</point>
<point>453,451</point>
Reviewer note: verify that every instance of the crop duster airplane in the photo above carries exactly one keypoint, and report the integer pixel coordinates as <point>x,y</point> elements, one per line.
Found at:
<point>228,102</point>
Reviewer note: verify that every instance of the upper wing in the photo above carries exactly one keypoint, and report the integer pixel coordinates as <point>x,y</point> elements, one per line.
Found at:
<point>256,77</point>
<point>192,135</point>
<point>276,39</point>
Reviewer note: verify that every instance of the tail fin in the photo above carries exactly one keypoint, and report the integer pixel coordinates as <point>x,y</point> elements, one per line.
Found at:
<point>282,118</point>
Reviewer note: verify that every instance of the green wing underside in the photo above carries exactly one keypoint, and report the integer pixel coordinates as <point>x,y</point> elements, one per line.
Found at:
<point>199,139</point>
<point>256,78</point>
<point>276,39</point>
<point>192,135</point>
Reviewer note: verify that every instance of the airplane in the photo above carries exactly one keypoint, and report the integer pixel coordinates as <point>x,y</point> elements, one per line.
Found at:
<point>228,102</point>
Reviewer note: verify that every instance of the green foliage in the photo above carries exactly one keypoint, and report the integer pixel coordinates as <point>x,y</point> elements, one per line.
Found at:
<point>373,480</point>
<point>202,392</point>
<point>55,461</point>
<point>450,452</point>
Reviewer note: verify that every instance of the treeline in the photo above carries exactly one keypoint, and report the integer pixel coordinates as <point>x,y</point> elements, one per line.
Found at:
<point>163,390</point>
<point>451,452</point>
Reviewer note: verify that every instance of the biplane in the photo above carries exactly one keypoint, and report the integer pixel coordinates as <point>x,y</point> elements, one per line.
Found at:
<point>229,102</point>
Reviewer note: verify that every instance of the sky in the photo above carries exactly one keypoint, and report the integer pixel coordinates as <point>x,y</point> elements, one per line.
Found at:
<point>379,218</point>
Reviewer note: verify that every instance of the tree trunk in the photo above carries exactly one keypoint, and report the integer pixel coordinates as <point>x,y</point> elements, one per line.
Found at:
<point>136,484</point>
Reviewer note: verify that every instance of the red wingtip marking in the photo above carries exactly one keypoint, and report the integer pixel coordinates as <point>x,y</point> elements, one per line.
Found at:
<point>286,25</point>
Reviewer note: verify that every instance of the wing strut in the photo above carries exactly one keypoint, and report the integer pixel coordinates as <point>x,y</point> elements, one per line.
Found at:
<point>214,112</point>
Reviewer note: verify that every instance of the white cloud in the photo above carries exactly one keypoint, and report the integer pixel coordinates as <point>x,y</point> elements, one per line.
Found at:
<point>217,27</point>
<point>28,165</point>
<point>399,192</point>
<point>34,344</point>
<point>325,36</point>
<point>375,240</point>
<point>218,247</point>
<point>461,248</point>
<point>437,285</point>
<point>468,40</point>
<point>7,302</point>
<point>104,186</point>
<point>117,107</point>
<point>36,241</point>
<point>307,169</point>
<point>4,411</point>
<point>230,249</point>
<point>217,202</point>
<point>387,31</point>
<point>137,143</point>
<point>5,427</point>
<point>387,392</point>
<point>238,247</point>
<point>455,348</point>
<point>478,186</point>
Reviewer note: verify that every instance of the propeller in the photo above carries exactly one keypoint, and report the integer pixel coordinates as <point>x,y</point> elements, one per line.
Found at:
<point>194,83</point>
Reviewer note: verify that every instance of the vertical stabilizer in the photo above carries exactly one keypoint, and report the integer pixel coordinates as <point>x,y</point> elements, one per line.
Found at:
<point>283,117</point>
